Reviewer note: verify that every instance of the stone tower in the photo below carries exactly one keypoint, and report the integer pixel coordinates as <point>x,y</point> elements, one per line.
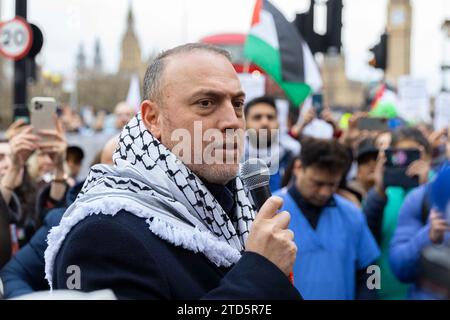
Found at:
<point>399,23</point>
<point>81,60</point>
<point>131,52</point>
<point>98,59</point>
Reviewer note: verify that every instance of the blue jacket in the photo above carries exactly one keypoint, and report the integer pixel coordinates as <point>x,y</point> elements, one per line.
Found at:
<point>120,253</point>
<point>24,273</point>
<point>410,238</point>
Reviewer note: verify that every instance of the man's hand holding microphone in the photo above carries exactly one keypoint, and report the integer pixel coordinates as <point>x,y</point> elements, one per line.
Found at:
<point>270,236</point>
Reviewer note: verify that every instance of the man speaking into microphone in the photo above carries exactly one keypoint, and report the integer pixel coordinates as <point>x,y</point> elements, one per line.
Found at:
<point>163,225</point>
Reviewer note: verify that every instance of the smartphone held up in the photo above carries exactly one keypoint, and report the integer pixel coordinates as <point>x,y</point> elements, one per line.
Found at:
<point>42,115</point>
<point>397,163</point>
<point>317,104</point>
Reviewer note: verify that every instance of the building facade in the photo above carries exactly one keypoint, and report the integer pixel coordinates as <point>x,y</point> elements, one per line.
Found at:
<point>101,90</point>
<point>399,24</point>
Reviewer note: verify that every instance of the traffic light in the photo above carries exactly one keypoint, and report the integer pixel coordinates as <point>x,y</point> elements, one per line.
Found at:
<point>379,51</point>
<point>334,24</point>
<point>38,41</point>
<point>332,38</point>
<point>304,23</point>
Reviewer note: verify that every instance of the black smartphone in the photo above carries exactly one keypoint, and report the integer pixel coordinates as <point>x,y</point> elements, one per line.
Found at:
<point>317,104</point>
<point>397,162</point>
<point>373,124</point>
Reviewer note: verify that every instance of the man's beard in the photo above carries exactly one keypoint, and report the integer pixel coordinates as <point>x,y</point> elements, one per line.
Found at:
<point>221,167</point>
<point>220,170</point>
<point>215,173</point>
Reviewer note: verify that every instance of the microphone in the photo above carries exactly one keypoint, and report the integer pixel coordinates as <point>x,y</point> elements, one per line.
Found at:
<point>255,175</point>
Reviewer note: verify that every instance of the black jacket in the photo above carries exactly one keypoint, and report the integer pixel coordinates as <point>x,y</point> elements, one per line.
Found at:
<point>9,214</point>
<point>5,236</point>
<point>121,253</point>
<point>24,273</point>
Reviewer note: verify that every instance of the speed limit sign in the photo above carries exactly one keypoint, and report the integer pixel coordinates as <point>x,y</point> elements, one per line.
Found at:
<point>16,38</point>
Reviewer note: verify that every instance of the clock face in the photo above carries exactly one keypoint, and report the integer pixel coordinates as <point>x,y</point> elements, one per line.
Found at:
<point>398,17</point>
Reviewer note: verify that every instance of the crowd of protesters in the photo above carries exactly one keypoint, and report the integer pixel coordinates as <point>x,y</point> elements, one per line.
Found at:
<point>335,192</point>
<point>38,172</point>
<point>344,216</point>
<point>88,122</point>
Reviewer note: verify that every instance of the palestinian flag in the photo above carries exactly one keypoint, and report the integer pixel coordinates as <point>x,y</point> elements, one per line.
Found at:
<point>275,45</point>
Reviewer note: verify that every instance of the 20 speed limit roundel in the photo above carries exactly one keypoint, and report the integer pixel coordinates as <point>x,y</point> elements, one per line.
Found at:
<point>16,38</point>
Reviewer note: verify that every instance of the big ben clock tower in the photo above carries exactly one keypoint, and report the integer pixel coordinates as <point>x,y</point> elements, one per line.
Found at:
<point>399,24</point>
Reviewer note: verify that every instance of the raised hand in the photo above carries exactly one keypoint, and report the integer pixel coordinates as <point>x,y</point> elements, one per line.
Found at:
<point>270,236</point>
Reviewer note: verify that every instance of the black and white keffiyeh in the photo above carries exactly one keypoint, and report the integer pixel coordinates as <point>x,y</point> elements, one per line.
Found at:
<point>149,181</point>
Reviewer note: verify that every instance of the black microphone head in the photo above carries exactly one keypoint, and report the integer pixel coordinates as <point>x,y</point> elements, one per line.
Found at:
<point>254,173</point>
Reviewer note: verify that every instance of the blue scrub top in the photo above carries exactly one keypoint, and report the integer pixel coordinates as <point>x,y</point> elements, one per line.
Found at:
<point>329,256</point>
<point>275,182</point>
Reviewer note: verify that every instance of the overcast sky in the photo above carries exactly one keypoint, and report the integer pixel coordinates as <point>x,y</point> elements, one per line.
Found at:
<point>164,23</point>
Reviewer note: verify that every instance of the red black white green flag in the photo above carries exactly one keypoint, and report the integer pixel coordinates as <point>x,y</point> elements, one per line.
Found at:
<point>276,46</point>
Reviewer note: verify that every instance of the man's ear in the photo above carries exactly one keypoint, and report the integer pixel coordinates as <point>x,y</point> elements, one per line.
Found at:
<point>151,116</point>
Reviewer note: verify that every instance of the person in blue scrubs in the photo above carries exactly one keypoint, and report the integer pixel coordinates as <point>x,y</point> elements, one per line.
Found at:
<point>335,245</point>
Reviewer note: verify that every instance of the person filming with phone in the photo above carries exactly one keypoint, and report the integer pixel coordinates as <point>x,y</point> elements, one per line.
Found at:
<point>423,222</point>
<point>400,168</point>
<point>315,120</point>
<point>27,148</point>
